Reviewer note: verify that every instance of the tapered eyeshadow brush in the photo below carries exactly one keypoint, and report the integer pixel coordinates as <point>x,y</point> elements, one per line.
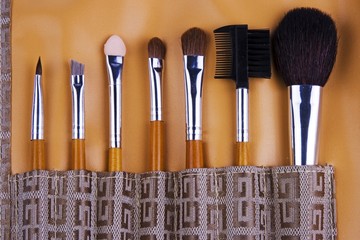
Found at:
<point>194,43</point>
<point>305,48</point>
<point>78,115</point>
<point>37,122</point>
<point>242,53</point>
<point>156,51</point>
<point>115,51</point>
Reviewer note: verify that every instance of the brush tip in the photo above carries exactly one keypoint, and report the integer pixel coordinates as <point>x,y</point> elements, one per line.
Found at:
<point>38,67</point>
<point>305,47</point>
<point>115,46</point>
<point>194,42</point>
<point>76,67</point>
<point>156,48</point>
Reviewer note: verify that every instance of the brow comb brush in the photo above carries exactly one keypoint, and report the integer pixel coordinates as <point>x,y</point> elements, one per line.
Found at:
<point>242,53</point>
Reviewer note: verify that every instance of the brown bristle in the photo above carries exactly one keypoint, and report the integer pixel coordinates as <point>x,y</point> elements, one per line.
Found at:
<point>38,67</point>
<point>193,42</point>
<point>305,47</point>
<point>156,48</point>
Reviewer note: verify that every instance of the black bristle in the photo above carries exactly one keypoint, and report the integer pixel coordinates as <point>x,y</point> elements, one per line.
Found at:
<point>242,53</point>
<point>194,42</point>
<point>305,47</point>
<point>76,68</point>
<point>259,53</point>
<point>156,48</point>
<point>38,67</point>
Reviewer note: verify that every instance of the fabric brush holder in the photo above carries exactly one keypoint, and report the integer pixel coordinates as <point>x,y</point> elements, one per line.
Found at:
<point>219,203</point>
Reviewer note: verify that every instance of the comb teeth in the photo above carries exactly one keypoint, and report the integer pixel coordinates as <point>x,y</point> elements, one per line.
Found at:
<point>235,43</point>
<point>224,55</point>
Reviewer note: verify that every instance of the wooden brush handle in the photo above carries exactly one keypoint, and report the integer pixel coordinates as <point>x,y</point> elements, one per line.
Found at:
<point>194,154</point>
<point>156,146</point>
<point>242,153</point>
<point>115,159</point>
<point>78,154</point>
<point>38,154</point>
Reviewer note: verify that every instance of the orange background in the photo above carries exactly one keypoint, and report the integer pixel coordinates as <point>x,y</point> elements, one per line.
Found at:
<point>62,30</point>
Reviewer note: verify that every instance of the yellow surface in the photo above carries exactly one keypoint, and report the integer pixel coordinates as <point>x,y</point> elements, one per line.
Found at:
<point>78,154</point>
<point>242,153</point>
<point>114,160</point>
<point>156,145</point>
<point>38,154</point>
<point>60,30</point>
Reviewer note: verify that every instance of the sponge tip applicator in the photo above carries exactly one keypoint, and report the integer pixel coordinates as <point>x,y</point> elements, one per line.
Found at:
<point>115,46</point>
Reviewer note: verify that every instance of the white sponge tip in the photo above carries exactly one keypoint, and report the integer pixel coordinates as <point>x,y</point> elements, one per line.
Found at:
<point>115,46</point>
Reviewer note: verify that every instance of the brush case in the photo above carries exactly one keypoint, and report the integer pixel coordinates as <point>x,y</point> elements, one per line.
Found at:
<point>219,203</point>
<point>239,203</point>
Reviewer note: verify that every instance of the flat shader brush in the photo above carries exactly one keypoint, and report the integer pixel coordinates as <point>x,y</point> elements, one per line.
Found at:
<point>194,43</point>
<point>37,122</point>
<point>305,48</point>
<point>242,53</point>
<point>115,51</point>
<point>156,51</point>
<point>78,115</point>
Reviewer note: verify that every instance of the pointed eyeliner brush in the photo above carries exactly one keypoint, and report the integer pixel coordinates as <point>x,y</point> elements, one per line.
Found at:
<point>37,122</point>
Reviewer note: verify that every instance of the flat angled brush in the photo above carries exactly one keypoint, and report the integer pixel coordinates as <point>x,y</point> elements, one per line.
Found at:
<point>156,51</point>
<point>305,47</point>
<point>78,115</point>
<point>37,122</point>
<point>194,43</point>
<point>240,54</point>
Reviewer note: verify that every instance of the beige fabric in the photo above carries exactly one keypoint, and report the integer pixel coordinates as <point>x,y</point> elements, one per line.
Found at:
<point>5,118</point>
<point>205,204</point>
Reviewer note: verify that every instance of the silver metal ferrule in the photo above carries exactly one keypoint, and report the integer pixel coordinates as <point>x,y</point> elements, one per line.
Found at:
<point>37,113</point>
<point>114,66</point>
<point>78,107</point>
<point>304,120</point>
<point>155,71</point>
<point>242,115</point>
<point>194,71</point>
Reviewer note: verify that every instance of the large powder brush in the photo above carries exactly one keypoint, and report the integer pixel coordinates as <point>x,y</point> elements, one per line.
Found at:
<point>305,47</point>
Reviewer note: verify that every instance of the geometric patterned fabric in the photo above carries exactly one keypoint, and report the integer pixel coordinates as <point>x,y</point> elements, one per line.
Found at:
<point>240,203</point>
<point>5,116</point>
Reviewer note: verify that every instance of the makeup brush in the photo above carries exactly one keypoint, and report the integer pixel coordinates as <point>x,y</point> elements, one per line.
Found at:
<point>240,54</point>
<point>115,51</point>
<point>78,115</point>
<point>305,47</point>
<point>156,51</point>
<point>37,122</point>
<point>194,43</point>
